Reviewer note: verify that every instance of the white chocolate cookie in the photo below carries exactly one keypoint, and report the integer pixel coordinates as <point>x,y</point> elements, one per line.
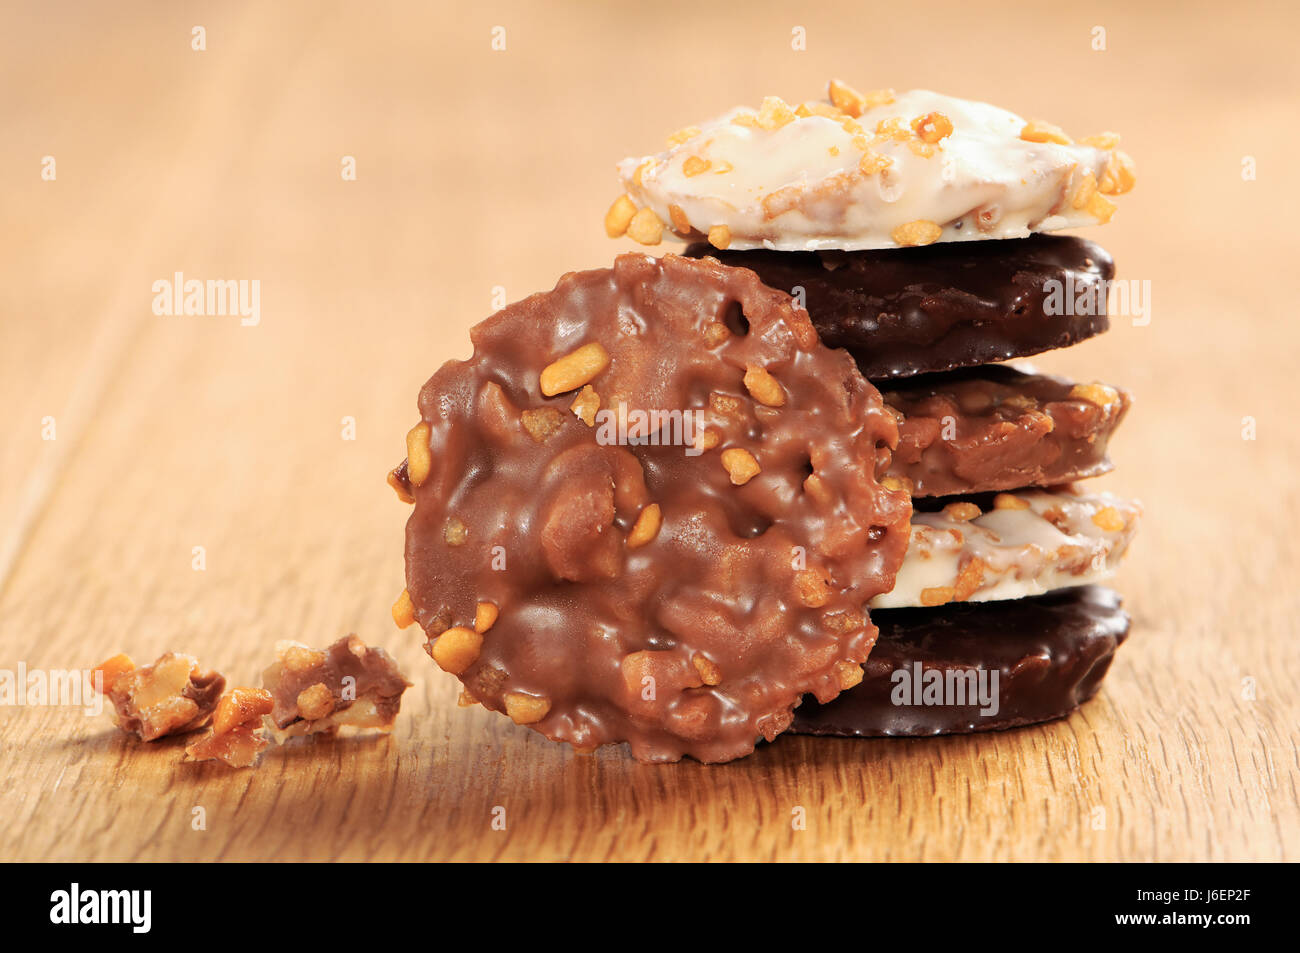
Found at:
<point>1031,542</point>
<point>873,171</point>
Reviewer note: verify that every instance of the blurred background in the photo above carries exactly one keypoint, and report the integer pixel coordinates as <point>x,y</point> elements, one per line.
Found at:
<point>128,439</point>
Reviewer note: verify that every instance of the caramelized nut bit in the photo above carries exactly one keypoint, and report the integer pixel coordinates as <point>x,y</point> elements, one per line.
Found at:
<point>646,227</point>
<point>715,333</point>
<point>1102,140</point>
<point>961,511</point>
<point>457,649</point>
<point>1108,520</point>
<point>919,232</point>
<point>542,422</point>
<point>574,369</point>
<point>404,610</point>
<point>646,526</point>
<point>399,487</point>
<point>878,97</point>
<point>586,404</point>
<point>706,440</point>
<point>1087,188</point>
<point>485,614</point>
<point>709,673</point>
<point>1119,175</point>
<point>640,172</point>
<point>315,702</point>
<point>897,484</point>
<point>106,673</point>
<point>1038,131</point>
<point>465,699</point>
<point>932,127</point>
<point>968,579</point>
<point>681,224</point>
<point>455,533</point>
<point>619,216</point>
<point>873,162</point>
<point>1102,395</point>
<point>747,119</point>
<point>740,465</point>
<point>241,706</point>
<point>1008,501</point>
<point>849,674</point>
<point>845,98</point>
<point>816,487</point>
<point>763,387</point>
<point>813,590</point>
<point>419,458</point>
<point>683,135</point>
<point>694,165</point>
<point>297,657</point>
<point>720,236</point>
<point>774,113</point>
<point>1101,208</point>
<point>937,595</point>
<point>525,709</point>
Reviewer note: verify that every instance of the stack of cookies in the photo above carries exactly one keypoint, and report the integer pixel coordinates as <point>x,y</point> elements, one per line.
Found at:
<point>779,482</point>
<point>912,229</point>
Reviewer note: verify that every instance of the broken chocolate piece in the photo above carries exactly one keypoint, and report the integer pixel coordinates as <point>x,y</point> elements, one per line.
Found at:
<point>169,697</point>
<point>347,685</point>
<point>235,737</point>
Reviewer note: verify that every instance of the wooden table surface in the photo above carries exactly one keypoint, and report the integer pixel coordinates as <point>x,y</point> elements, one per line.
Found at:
<point>479,170</point>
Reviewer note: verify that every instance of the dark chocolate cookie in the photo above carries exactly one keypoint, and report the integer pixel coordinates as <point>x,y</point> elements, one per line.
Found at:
<point>910,311</point>
<point>646,511</point>
<point>1049,653</point>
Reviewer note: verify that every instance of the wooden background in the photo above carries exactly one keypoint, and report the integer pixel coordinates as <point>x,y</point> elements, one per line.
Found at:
<point>481,169</point>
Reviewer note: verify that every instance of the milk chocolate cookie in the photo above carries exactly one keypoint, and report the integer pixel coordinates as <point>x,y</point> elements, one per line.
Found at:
<point>911,311</point>
<point>998,428</point>
<point>932,670</point>
<point>646,511</point>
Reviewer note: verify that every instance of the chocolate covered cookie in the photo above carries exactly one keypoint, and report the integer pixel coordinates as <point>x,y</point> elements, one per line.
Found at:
<point>998,428</point>
<point>977,667</point>
<point>911,311</point>
<point>646,511</point>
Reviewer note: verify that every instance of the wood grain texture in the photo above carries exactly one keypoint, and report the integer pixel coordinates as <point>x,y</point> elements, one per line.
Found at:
<point>481,169</point>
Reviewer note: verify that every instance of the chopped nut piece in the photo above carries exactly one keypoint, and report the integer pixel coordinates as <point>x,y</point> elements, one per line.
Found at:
<point>845,98</point>
<point>1109,520</point>
<point>1102,140</point>
<point>968,579</point>
<point>404,610</point>
<point>399,487</point>
<point>897,484</point>
<point>574,369</point>
<point>349,685</point>
<point>681,224</point>
<point>1103,395</point>
<point>646,526</point>
<point>1038,131</point>
<point>962,511</point>
<point>1120,174</point>
<point>683,135</point>
<point>740,465</point>
<point>873,162</point>
<point>455,533</point>
<point>542,422</point>
<point>586,404</point>
<point>920,232</point>
<point>235,737</point>
<point>241,706</point>
<point>1087,188</point>
<point>526,709</point>
<point>720,236</point>
<point>849,674</point>
<point>1007,501</point>
<point>710,674</point>
<point>706,440</point>
<point>932,127</point>
<point>646,227</point>
<point>774,113</point>
<point>619,216</point>
<point>485,614</point>
<point>315,702</point>
<point>715,332</point>
<point>812,589</point>
<point>695,165</point>
<point>107,672</point>
<point>457,649</point>
<point>763,387</point>
<point>419,458</point>
<point>937,595</point>
<point>1101,208</point>
<point>169,697</point>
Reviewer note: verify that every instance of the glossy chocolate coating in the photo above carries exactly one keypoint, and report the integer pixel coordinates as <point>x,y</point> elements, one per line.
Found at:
<point>1051,653</point>
<point>998,428</point>
<point>909,311</point>
<point>703,639</point>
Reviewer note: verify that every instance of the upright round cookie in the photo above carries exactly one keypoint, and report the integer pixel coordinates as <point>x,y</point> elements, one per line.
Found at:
<point>646,511</point>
